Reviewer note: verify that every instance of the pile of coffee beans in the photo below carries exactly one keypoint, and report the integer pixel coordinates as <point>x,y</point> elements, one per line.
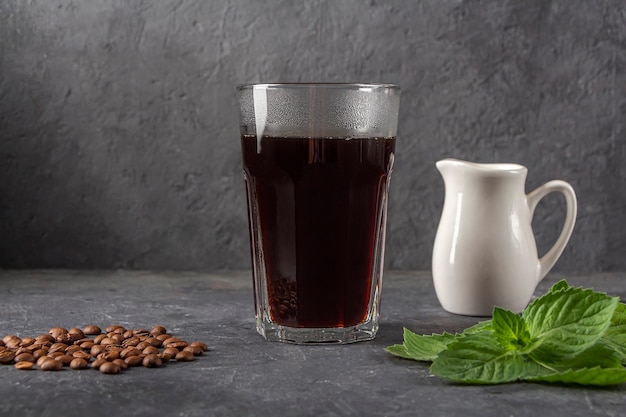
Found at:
<point>111,351</point>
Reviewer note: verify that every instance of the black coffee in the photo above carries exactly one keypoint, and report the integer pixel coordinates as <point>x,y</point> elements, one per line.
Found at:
<point>316,205</point>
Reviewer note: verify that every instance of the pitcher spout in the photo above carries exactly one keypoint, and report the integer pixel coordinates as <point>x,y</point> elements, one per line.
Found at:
<point>451,165</point>
<point>447,164</point>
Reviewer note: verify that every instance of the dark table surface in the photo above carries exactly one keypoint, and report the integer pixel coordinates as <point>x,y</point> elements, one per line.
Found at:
<point>243,374</point>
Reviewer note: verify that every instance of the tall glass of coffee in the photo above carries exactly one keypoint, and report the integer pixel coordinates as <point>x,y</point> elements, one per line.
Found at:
<point>317,162</point>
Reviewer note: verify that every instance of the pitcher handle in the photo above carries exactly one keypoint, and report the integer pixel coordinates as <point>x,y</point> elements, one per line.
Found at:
<point>547,261</point>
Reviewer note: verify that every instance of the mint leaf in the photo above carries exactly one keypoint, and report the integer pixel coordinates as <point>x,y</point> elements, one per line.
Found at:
<point>597,365</point>
<point>479,327</point>
<point>569,335</point>
<point>596,355</point>
<point>478,359</point>
<point>584,376</point>
<point>421,348</point>
<point>567,322</point>
<point>510,330</point>
<point>400,350</point>
<point>615,336</point>
<point>559,286</point>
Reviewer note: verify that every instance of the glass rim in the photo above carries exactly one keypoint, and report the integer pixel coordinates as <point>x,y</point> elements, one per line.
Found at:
<point>320,85</point>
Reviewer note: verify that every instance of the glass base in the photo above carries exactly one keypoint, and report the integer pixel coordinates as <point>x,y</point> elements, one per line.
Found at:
<point>310,336</point>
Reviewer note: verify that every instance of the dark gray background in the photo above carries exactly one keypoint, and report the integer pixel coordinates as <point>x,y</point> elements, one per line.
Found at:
<point>119,133</point>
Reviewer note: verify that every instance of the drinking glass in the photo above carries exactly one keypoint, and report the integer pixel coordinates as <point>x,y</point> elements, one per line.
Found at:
<point>317,162</point>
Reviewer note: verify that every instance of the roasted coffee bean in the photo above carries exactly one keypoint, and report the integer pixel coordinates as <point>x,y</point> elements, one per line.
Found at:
<point>113,327</point>
<point>119,330</point>
<point>13,343</point>
<point>172,339</point>
<point>24,357</point>
<point>157,330</point>
<point>152,361</point>
<point>6,339</point>
<point>141,332</point>
<point>109,341</point>
<point>50,365</point>
<point>39,353</point>
<point>45,338</point>
<point>110,368</point>
<point>76,333</point>
<point>109,355</point>
<point>175,342</point>
<point>57,347</point>
<point>79,363</point>
<point>163,337</point>
<point>55,355</point>
<point>87,345</point>
<point>195,350</point>
<point>20,350</point>
<point>120,362</point>
<point>64,338</point>
<point>1,343</point>
<point>132,341</point>
<point>7,356</point>
<point>33,347</point>
<point>133,360</point>
<point>41,360</point>
<point>99,338</point>
<point>24,365</point>
<point>154,341</point>
<point>185,356</point>
<point>56,331</point>
<point>92,330</point>
<point>96,350</point>
<point>178,345</point>
<point>65,359</point>
<point>172,351</point>
<point>201,345</point>
<point>142,345</point>
<point>129,351</point>
<point>96,364</point>
<point>149,350</point>
<point>27,341</point>
<point>81,354</point>
<point>72,348</point>
<point>113,348</point>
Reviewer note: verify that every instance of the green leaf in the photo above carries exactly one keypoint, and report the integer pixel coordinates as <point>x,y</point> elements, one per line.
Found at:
<point>478,359</point>
<point>569,335</point>
<point>567,322</point>
<point>597,355</point>
<point>559,286</point>
<point>426,348</point>
<point>399,350</point>
<point>594,357</point>
<point>510,329</point>
<point>479,327</point>
<point>615,336</point>
<point>584,376</point>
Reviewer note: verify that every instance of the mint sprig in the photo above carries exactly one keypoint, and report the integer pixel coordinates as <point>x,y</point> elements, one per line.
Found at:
<point>569,335</point>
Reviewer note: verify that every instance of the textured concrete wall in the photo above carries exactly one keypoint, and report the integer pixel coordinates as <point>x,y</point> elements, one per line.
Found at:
<point>119,132</point>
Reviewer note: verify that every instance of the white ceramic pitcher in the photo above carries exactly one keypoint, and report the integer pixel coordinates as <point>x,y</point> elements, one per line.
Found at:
<point>485,253</point>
